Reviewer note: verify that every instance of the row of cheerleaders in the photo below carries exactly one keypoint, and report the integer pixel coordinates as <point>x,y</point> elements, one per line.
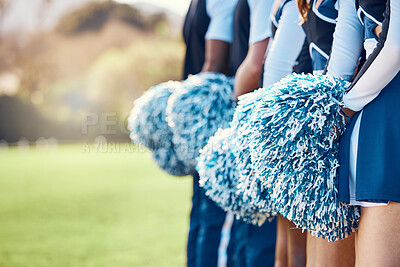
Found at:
<point>274,152</point>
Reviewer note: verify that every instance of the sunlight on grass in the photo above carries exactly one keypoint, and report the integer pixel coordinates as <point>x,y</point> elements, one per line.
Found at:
<point>71,207</point>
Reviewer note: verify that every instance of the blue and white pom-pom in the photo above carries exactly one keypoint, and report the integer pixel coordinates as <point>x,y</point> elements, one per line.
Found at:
<point>148,126</point>
<point>219,177</point>
<point>194,113</point>
<point>225,171</point>
<point>166,159</point>
<point>294,152</point>
<point>250,188</point>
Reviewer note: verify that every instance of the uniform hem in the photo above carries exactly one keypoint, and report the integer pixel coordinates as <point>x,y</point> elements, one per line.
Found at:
<point>344,198</point>
<point>377,196</point>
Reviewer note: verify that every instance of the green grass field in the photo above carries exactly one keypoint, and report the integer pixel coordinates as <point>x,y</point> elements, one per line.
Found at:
<point>75,206</point>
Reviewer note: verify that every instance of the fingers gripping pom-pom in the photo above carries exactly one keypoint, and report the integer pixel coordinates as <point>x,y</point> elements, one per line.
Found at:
<point>218,176</point>
<point>194,113</point>
<point>294,153</point>
<point>148,126</point>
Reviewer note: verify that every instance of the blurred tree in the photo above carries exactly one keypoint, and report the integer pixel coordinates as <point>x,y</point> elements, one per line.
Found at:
<point>130,15</point>
<point>63,76</point>
<point>89,18</point>
<point>156,18</point>
<point>93,17</point>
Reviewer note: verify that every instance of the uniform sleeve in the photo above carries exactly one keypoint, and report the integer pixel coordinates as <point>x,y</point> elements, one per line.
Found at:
<point>382,70</point>
<point>221,19</point>
<point>347,42</point>
<point>286,46</point>
<point>260,22</point>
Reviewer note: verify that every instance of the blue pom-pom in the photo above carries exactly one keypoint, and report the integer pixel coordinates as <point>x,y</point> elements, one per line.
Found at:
<point>148,126</point>
<point>166,159</point>
<point>219,178</point>
<point>194,113</point>
<point>225,170</point>
<point>251,189</point>
<point>294,153</point>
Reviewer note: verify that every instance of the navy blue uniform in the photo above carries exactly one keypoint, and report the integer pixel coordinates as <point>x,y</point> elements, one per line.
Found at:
<point>319,29</point>
<point>194,32</point>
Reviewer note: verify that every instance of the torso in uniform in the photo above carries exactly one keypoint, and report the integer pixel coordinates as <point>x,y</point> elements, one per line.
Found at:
<point>194,32</point>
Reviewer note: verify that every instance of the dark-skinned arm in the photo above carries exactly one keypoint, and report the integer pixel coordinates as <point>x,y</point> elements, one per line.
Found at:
<point>216,57</point>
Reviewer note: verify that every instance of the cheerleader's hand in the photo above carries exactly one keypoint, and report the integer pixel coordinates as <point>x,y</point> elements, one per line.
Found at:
<point>348,113</point>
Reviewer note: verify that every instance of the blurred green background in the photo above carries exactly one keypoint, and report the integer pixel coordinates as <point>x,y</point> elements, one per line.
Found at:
<point>77,205</point>
<point>73,190</point>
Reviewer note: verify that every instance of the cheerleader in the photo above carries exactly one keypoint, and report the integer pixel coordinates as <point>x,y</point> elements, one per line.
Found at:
<point>319,22</point>
<point>207,34</point>
<point>254,245</point>
<point>370,146</point>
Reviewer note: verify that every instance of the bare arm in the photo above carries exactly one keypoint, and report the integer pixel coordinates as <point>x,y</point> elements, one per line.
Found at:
<point>248,74</point>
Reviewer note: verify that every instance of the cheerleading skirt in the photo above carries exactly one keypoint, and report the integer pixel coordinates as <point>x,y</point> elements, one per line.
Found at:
<point>369,173</point>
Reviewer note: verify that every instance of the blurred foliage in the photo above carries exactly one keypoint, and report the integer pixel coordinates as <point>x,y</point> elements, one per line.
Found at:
<point>126,73</point>
<point>94,15</point>
<point>66,77</point>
